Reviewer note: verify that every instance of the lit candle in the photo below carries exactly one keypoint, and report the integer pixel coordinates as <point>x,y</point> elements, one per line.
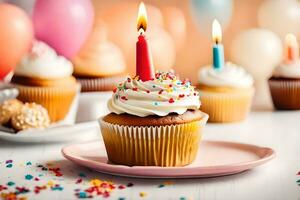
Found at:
<point>144,63</point>
<point>291,48</point>
<point>218,50</point>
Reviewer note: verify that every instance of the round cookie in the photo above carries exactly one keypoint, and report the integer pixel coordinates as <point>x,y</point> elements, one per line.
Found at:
<point>8,109</point>
<point>31,115</point>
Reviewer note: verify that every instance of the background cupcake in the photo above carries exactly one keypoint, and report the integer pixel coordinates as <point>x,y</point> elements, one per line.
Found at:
<point>155,122</point>
<point>46,78</point>
<point>285,81</point>
<point>226,93</point>
<point>98,67</point>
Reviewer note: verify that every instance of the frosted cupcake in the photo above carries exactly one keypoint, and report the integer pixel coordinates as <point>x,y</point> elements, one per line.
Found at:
<point>226,94</point>
<point>100,64</point>
<point>46,78</point>
<point>153,123</point>
<point>285,81</point>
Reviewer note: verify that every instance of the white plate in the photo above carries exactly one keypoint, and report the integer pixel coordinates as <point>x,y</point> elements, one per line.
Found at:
<point>62,133</point>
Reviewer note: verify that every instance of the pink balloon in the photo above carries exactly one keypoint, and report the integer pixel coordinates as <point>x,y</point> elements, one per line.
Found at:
<point>63,24</point>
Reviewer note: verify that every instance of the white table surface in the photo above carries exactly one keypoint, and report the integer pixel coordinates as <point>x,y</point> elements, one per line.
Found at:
<point>276,180</point>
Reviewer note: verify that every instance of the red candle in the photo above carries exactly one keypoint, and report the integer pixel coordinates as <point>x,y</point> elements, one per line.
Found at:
<point>144,63</point>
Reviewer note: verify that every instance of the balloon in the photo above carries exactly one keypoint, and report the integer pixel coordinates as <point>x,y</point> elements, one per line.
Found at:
<point>63,24</point>
<point>15,37</point>
<point>205,11</point>
<point>258,50</point>
<point>122,31</point>
<point>26,5</point>
<point>280,16</point>
<point>175,24</point>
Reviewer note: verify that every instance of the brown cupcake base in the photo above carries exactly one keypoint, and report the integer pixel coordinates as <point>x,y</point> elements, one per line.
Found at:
<point>153,120</point>
<point>96,84</point>
<point>285,93</point>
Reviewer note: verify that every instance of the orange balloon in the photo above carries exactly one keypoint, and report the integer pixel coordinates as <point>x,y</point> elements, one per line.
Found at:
<point>16,36</point>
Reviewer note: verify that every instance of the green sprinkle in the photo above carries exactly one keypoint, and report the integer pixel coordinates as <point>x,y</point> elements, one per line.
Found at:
<point>182,198</point>
<point>156,103</point>
<point>10,183</point>
<point>9,165</point>
<point>298,181</point>
<point>28,177</point>
<point>161,186</point>
<point>29,163</point>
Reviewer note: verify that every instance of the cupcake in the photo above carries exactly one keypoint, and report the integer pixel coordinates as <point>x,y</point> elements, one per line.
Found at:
<point>45,78</point>
<point>285,86</point>
<point>285,81</point>
<point>99,66</point>
<point>100,63</point>
<point>226,93</point>
<point>153,123</point>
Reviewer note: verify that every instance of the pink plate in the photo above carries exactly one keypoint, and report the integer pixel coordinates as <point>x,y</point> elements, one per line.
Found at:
<point>215,158</point>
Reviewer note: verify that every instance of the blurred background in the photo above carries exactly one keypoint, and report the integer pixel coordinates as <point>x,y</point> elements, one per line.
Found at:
<point>180,33</point>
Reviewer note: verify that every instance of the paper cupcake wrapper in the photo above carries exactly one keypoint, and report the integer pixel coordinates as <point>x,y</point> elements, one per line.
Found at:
<point>100,84</point>
<point>57,100</point>
<point>285,94</point>
<point>170,145</point>
<point>226,107</point>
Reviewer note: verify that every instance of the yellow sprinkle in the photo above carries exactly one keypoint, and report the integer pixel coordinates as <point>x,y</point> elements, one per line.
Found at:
<point>143,194</point>
<point>50,183</point>
<point>95,182</point>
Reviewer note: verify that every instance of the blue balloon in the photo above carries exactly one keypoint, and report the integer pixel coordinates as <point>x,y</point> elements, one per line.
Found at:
<point>205,11</point>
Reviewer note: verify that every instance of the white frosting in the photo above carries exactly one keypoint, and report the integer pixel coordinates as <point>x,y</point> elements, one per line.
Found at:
<point>161,96</point>
<point>230,75</point>
<point>43,62</point>
<point>288,70</point>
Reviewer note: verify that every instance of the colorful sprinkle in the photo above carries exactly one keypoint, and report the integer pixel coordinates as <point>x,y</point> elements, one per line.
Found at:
<point>28,163</point>
<point>10,183</point>
<point>171,100</point>
<point>8,161</point>
<point>9,165</point>
<point>143,194</point>
<point>81,174</point>
<point>130,184</point>
<point>28,177</point>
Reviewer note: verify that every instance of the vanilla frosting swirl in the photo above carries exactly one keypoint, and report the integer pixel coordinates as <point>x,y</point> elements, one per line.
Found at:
<point>288,70</point>
<point>43,62</point>
<point>230,75</point>
<point>163,95</point>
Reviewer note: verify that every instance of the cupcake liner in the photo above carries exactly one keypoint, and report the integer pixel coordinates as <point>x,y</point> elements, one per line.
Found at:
<point>99,84</point>
<point>57,100</point>
<point>170,145</point>
<point>285,94</point>
<point>226,107</point>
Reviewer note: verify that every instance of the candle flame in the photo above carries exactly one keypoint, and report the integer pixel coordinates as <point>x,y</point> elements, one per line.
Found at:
<point>216,32</point>
<point>142,18</point>
<point>291,40</point>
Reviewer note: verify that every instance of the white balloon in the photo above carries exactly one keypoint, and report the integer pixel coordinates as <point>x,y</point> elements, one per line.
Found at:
<point>258,50</point>
<point>280,16</point>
